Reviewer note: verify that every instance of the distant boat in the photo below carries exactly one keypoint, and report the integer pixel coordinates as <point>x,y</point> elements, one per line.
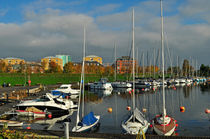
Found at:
<point>121,85</point>
<point>102,84</point>
<point>65,90</point>
<point>10,123</point>
<point>163,124</point>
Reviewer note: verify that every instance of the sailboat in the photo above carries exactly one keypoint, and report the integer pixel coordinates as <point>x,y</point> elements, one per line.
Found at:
<point>163,124</point>
<point>136,122</point>
<point>89,121</point>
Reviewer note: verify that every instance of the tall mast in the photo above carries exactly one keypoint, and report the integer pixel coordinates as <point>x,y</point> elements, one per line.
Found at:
<point>133,65</point>
<point>83,74</point>
<point>162,46</point>
<point>115,68</point>
<point>143,63</point>
<point>154,64</point>
<point>81,84</point>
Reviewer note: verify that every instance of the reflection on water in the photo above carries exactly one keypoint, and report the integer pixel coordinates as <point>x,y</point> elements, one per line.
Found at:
<point>193,122</point>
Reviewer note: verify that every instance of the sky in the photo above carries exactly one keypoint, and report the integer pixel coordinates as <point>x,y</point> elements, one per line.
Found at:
<point>34,29</point>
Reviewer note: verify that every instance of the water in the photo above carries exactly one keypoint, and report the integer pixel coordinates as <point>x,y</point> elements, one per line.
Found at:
<point>193,122</point>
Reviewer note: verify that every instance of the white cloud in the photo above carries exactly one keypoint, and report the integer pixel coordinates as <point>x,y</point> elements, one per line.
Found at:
<point>52,31</point>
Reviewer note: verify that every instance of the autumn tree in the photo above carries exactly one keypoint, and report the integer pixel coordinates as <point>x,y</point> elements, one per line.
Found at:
<point>68,67</point>
<point>3,66</point>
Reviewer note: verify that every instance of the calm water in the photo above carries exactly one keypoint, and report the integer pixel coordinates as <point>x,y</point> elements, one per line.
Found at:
<point>193,122</point>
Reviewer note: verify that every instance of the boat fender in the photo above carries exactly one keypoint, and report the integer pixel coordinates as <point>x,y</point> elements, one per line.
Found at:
<point>182,109</point>
<point>128,108</point>
<point>109,110</point>
<point>207,111</point>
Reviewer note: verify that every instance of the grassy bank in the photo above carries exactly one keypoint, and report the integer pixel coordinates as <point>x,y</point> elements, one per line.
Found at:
<point>53,78</point>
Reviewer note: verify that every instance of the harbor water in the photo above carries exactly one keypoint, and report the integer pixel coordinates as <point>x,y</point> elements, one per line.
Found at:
<point>192,122</point>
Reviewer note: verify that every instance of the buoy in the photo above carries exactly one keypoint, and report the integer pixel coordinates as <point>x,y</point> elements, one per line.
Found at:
<point>207,111</point>
<point>128,108</point>
<point>176,125</point>
<point>175,121</point>
<point>129,92</point>
<point>28,127</point>
<point>49,115</point>
<point>110,110</point>
<point>142,89</point>
<point>150,126</point>
<point>67,97</point>
<point>153,89</point>
<point>176,134</point>
<point>174,88</point>
<point>144,110</point>
<point>182,109</point>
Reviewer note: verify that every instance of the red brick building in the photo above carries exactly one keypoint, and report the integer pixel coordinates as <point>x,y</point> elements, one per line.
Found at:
<point>124,64</point>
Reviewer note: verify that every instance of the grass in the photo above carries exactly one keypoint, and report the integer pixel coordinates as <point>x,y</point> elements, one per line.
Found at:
<point>52,78</point>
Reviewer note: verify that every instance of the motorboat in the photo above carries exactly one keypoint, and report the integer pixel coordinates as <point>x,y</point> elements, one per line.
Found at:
<point>102,84</point>
<point>48,103</point>
<point>66,90</point>
<point>121,85</point>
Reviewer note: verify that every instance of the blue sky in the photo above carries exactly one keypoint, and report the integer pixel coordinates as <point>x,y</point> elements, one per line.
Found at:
<point>32,29</point>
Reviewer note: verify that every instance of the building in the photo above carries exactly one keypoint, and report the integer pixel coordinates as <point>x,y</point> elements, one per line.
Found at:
<point>93,58</point>
<point>46,61</point>
<point>124,64</point>
<point>65,58</point>
<point>13,61</point>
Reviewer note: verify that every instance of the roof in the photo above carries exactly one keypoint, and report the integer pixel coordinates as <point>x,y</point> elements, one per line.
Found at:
<point>92,56</point>
<point>12,58</point>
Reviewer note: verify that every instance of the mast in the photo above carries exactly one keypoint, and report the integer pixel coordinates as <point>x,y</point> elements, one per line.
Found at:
<point>81,84</point>
<point>143,64</point>
<point>162,46</point>
<point>115,70</point>
<point>154,65</point>
<point>83,74</point>
<point>133,66</point>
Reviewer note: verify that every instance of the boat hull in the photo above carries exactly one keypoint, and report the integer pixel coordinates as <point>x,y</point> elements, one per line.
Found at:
<point>87,128</point>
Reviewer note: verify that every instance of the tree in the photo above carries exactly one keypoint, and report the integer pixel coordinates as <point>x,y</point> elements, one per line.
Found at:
<point>3,66</point>
<point>53,67</point>
<point>68,67</point>
<point>204,70</point>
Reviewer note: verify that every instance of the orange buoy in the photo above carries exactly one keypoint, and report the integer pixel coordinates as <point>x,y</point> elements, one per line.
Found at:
<point>207,111</point>
<point>144,110</point>
<point>128,108</point>
<point>182,109</point>
<point>49,116</point>
<point>110,110</point>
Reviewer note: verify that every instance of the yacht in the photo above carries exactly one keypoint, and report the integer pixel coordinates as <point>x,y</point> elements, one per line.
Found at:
<point>102,84</point>
<point>65,90</point>
<point>48,103</point>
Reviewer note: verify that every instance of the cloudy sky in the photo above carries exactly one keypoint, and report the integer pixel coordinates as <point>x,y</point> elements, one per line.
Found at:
<point>33,29</point>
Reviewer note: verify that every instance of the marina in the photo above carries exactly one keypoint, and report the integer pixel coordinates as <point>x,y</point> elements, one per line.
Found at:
<point>194,121</point>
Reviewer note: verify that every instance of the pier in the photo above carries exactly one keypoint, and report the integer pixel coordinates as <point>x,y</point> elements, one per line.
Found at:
<point>73,135</point>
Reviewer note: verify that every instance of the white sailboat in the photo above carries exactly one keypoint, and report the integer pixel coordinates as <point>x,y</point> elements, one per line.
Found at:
<point>89,121</point>
<point>136,122</point>
<point>163,124</point>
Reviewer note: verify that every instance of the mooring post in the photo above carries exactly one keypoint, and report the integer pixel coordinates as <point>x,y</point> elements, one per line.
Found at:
<point>67,130</point>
